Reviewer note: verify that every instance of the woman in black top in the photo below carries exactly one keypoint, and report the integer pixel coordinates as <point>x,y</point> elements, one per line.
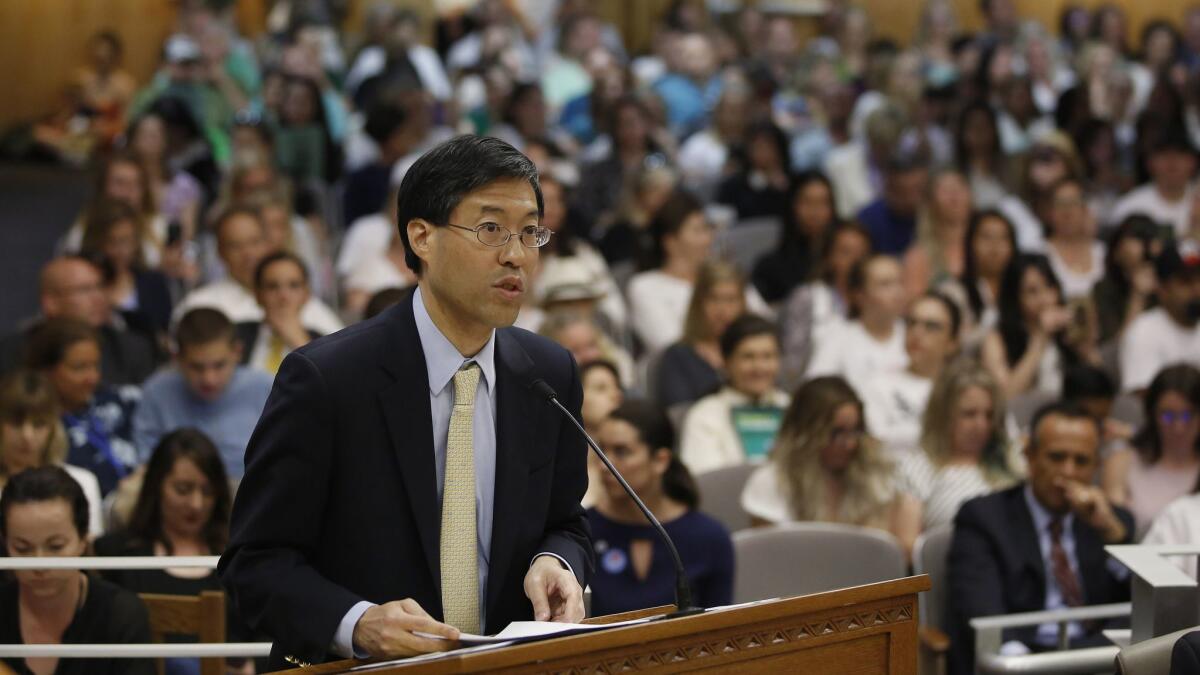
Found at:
<point>809,219</point>
<point>182,509</point>
<point>43,513</point>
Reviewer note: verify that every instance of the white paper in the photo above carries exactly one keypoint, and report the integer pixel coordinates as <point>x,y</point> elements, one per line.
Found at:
<point>527,631</point>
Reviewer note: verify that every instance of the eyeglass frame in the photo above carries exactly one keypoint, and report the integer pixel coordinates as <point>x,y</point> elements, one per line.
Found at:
<point>509,234</point>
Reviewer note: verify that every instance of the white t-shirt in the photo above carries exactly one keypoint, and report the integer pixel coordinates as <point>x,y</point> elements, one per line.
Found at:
<point>702,160</point>
<point>709,440</point>
<point>847,349</point>
<point>1152,342</point>
<point>1178,524</point>
<point>765,497</point>
<point>239,305</point>
<point>1077,284</point>
<point>375,274</point>
<point>367,237</point>
<point>658,305</point>
<point>1146,199</point>
<point>894,403</point>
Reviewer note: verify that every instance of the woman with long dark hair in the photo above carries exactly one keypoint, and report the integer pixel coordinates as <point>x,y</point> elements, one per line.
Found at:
<point>990,247</point>
<point>634,569</point>
<point>1127,288</point>
<point>811,214</point>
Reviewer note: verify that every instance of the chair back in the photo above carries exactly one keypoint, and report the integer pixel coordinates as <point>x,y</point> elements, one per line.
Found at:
<point>721,495</point>
<point>747,241</point>
<point>1150,657</point>
<point>200,616</point>
<point>929,557</point>
<point>802,558</point>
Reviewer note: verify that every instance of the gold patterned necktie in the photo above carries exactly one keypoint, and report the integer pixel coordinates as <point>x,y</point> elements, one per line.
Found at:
<point>460,566</point>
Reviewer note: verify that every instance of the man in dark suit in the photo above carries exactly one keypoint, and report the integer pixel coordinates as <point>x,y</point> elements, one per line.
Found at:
<point>403,471</point>
<point>1039,545</point>
<point>73,287</point>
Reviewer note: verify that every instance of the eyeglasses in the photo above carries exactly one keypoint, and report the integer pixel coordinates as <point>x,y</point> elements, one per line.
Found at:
<point>1173,416</point>
<point>491,234</point>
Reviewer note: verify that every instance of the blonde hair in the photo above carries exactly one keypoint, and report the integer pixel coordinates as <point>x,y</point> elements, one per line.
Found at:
<point>928,234</point>
<point>26,394</point>
<point>807,428</point>
<point>712,273</point>
<point>937,428</point>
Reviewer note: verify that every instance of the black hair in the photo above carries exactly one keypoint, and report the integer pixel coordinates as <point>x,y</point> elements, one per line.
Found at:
<point>202,326</point>
<point>261,268</point>
<point>977,106</point>
<point>1068,409</point>
<point>839,229</point>
<point>333,151</point>
<point>1012,322</point>
<point>438,181</point>
<point>743,328</point>
<point>1137,226</point>
<point>1183,379</point>
<point>791,240</point>
<point>48,341</point>
<point>383,119</point>
<point>145,523</point>
<point>1157,25</point>
<point>654,428</point>
<point>44,484</point>
<point>113,39</point>
<point>1083,381</point>
<point>974,297</point>
<point>602,364</point>
<point>668,220</point>
<point>770,131</point>
<point>383,299</point>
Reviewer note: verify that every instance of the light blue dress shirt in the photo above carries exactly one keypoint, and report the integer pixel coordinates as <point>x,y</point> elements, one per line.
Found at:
<point>442,361</point>
<point>1047,633</point>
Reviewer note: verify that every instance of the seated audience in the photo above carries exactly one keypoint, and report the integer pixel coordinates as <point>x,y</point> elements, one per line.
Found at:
<point>872,340</point>
<point>242,244</point>
<point>43,512</point>
<point>73,288</point>
<point>964,452</point>
<point>1037,336</point>
<point>602,394</point>
<point>1169,333</point>
<point>1075,255</point>
<point>1039,545</point>
<point>282,290</point>
<point>581,336</point>
<point>182,509</point>
<point>377,271</point>
<point>1178,524</point>
<point>1129,283</point>
<point>1164,460</point>
<point>892,219</point>
<point>123,177</point>
<point>824,465</point>
<point>634,569</point>
<point>990,247</point>
<point>98,419</point>
<point>1092,389</point>
<point>1171,163</point>
<point>759,188</point>
<point>895,400</point>
<point>206,389</point>
<point>738,423</point>
<point>691,368</point>
<point>810,217</point>
<point>823,304</point>
<point>32,435</point>
<point>936,255</point>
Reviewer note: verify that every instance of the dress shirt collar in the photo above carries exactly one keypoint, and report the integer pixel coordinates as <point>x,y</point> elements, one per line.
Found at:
<point>1042,517</point>
<point>442,358</point>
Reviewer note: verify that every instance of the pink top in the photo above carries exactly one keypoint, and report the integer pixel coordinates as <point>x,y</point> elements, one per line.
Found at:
<point>1152,487</point>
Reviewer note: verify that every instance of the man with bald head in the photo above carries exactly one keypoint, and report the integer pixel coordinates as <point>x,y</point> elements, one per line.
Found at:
<point>72,287</point>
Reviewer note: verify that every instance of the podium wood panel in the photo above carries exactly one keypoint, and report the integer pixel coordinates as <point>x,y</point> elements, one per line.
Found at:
<point>864,630</point>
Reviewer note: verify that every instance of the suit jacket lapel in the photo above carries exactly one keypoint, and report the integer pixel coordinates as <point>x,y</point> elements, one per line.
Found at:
<point>1089,553</point>
<point>405,407</point>
<point>517,410</point>
<point>1027,543</point>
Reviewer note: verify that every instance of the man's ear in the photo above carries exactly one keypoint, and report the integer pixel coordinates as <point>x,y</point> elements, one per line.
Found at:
<point>420,238</point>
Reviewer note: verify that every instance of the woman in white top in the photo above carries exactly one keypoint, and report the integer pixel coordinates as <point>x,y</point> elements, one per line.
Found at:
<point>896,400</point>
<point>824,466</point>
<point>32,435</point>
<point>964,452</point>
<point>1178,525</point>
<point>658,297</point>
<point>823,303</point>
<point>872,341</point>
<point>1075,255</point>
<point>990,248</point>
<point>1164,462</point>
<point>739,422</point>
<point>1037,337</point>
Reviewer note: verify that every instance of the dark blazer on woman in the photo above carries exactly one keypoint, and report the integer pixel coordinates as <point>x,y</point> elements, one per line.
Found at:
<point>339,502</point>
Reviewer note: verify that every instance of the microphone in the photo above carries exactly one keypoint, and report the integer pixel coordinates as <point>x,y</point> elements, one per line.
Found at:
<point>683,590</point>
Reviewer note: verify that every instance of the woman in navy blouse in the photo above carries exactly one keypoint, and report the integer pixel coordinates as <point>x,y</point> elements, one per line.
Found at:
<point>633,566</point>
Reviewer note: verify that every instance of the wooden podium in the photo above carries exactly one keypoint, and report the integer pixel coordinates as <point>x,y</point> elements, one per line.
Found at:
<point>860,631</point>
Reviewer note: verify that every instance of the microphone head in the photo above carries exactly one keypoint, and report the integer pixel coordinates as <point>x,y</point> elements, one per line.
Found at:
<point>542,389</point>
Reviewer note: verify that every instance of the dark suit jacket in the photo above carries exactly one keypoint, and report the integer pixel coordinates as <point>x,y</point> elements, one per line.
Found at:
<point>247,333</point>
<point>995,566</point>
<point>1185,657</point>
<point>339,501</point>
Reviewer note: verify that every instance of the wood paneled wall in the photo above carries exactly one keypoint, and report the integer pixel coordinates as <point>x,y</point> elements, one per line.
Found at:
<point>43,41</point>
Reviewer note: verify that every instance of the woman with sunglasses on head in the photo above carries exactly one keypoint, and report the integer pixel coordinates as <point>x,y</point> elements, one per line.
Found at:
<point>1164,462</point>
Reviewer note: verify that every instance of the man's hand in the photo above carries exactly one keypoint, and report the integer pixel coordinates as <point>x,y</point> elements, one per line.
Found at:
<point>554,591</point>
<point>387,630</point>
<point>1091,506</point>
<point>286,324</point>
